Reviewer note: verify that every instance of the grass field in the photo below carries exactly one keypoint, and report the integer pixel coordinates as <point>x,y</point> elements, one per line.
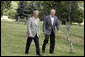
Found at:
<point>13,41</point>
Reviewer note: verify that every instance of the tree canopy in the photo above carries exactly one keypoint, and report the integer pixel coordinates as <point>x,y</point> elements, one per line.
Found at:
<point>26,8</point>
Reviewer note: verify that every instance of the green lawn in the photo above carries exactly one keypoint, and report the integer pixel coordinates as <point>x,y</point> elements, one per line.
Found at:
<point>13,41</point>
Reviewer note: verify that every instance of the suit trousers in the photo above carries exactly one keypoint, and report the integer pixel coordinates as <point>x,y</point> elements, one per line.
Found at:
<point>36,40</point>
<point>52,42</point>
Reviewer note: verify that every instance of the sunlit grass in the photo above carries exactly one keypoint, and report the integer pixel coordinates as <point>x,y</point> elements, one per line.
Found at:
<point>13,41</point>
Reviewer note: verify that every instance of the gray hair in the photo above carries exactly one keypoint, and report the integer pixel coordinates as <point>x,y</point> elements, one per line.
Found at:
<point>36,11</point>
<point>52,10</point>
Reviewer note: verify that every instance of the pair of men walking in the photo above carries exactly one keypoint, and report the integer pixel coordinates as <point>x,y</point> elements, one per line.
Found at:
<point>33,31</point>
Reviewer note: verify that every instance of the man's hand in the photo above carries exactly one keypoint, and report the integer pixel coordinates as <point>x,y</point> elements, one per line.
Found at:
<point>44,32</point>
<point>58,31</point>
<point>39,37</point>
<point>30,35</point>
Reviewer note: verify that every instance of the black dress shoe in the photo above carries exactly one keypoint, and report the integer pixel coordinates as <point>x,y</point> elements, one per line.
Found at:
<point>51,52</point>
<point>26,52</point>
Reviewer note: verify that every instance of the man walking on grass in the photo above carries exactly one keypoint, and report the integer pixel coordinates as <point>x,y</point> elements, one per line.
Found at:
<point>49,24</point>
<point>33,32</point>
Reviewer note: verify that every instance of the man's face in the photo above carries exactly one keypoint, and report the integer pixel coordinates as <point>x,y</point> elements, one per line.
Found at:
<point>52,12</point>
<point>36,14</point>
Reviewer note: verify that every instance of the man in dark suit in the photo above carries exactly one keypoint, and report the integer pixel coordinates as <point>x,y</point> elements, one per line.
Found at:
<point>49,24</point>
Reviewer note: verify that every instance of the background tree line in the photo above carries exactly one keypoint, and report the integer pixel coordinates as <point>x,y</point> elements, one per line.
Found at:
<point>13,9</point>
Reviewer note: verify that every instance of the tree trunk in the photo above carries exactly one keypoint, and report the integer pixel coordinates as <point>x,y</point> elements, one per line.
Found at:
<point>68,25</point>
<point>68,38</point>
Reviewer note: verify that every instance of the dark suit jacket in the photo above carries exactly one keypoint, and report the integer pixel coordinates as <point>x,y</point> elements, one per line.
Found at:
<point>47,25</point>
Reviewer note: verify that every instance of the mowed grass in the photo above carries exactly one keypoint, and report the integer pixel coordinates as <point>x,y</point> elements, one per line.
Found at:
<point>13,41</point>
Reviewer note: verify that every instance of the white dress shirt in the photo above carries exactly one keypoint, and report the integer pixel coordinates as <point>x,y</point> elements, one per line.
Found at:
<point>52,19</point>
<point>35,20</point>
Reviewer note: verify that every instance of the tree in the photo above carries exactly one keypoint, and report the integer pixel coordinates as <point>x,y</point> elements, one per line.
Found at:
<point>26,8</point>
<point>33,5</point>
<point>5,6</point>
<point>62,10</point>
<point>68,25</point>
<point>21,10</point>
<point>12,11</point>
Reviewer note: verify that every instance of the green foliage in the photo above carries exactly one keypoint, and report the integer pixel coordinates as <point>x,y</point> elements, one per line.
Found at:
<point>8,8</point>
<point>5,6</point>
<point>11,13</point>
<point>62,10</point>
<point>22,8</point>
<point>26,8</point>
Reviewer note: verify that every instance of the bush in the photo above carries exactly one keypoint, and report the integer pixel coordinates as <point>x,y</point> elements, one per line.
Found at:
<point>11,13</point>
